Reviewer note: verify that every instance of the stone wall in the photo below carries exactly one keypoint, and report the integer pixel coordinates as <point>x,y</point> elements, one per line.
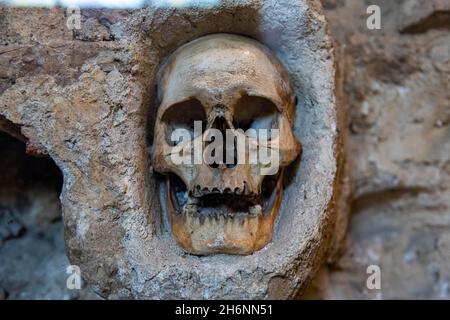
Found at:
<point>33,261</point>
<point>87,99</point>
<point>396,84</point>
<point>395,99</point>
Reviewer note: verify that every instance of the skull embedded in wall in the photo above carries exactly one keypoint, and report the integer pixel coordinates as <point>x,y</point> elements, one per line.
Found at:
<point>227,84</point>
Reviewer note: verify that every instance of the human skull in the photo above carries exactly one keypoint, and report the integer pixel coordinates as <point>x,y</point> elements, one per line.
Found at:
<point>227,83</point>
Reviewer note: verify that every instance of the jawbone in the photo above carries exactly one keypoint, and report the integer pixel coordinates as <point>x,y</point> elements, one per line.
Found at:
<point>239,233</point>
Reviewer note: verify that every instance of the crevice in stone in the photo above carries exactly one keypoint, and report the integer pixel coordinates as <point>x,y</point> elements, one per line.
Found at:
<point>436,20</point>
<point>32,254</point>
<point>382,197</point>
<point>23,134</point>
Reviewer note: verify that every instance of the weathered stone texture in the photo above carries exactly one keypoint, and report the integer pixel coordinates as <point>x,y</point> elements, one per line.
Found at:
<point>397,87</point>
<point>395,92</point>
<point>33,259</point>
<point>87,97</point>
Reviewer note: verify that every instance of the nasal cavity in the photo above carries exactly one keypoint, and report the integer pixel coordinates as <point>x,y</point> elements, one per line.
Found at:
<point>229,150</point>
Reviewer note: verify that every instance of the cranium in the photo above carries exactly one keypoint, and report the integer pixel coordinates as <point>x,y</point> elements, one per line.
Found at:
<point>226,82</point>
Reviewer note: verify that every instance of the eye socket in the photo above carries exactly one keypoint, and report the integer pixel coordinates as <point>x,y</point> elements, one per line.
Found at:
<point>183,115</point>
<point>255,113</point>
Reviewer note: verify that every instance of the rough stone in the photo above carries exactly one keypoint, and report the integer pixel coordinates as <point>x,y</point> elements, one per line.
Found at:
<point>88,99</point>
<point>33,260</point>
<point>396,84</point>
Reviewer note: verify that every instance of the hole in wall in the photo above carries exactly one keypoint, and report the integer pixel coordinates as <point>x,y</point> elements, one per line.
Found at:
<point>32,254</point>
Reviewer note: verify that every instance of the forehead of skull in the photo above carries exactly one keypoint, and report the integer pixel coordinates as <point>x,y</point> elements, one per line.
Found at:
<point>219,68</point>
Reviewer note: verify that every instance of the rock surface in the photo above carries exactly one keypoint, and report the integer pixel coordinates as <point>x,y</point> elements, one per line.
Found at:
<point>397,87</point>
<point>86,97</point>
<point>33,260</point>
